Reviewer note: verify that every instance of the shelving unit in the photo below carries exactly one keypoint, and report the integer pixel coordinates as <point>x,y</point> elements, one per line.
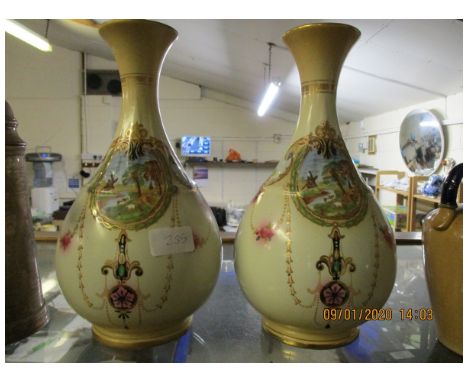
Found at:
<point>415,197</point>
<point>414,180</point>
<point>369,174</point>
<point>402,197</point>
<point>410,198</point>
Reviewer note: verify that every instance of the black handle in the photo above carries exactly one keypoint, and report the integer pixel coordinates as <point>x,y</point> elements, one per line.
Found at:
<point>450,187</point>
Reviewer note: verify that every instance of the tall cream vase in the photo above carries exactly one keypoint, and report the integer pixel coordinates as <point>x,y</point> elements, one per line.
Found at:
<point>314,253</point>
<point>139,250</point>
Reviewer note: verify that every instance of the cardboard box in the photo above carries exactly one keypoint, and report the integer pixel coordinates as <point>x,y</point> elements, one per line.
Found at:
<point>396,216</point>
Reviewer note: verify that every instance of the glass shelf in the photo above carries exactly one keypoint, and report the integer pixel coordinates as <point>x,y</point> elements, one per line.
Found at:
<point>227,329</point>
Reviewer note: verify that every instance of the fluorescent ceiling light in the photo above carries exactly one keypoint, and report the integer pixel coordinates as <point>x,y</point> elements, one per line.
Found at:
<point>268,98</point>
<point>27,35</point>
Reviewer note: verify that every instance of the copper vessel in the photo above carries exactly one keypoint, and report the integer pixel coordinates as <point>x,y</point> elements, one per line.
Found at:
<point>443,254</point>
<point>25,309</point>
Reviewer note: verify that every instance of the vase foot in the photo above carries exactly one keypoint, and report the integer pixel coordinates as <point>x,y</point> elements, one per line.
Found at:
<point>118,338</point>
<point>300,337</point>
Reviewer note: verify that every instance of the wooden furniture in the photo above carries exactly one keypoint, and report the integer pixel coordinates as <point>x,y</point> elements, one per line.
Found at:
<point>409,198</point>
<point>369,174</point>
<point>415,197</point>
<point>414,180</point>
<point>402,196</point>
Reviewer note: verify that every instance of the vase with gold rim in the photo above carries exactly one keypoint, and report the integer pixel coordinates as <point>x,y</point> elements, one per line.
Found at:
<point>139,250</point>
<point>314,251</point>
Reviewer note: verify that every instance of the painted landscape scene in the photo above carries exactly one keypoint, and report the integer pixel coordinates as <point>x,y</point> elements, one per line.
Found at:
<point>328,187</point>
<point>131,189</point>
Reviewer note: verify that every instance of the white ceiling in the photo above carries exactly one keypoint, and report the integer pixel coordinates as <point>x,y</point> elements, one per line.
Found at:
<point>395,63</point>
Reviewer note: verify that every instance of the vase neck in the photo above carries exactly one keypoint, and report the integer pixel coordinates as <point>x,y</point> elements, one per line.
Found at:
<point>140,106</point>
<point>139,48</point>
<point>319,51</point>
<point>318,105</point>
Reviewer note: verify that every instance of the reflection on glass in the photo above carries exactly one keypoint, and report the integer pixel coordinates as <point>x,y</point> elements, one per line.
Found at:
<point>422,142</point>
<point>227,328</point>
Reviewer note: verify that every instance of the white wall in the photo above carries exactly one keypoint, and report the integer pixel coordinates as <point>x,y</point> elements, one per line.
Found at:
<point>386,127</point>
<point>44,91</point>
<point>230,126</point>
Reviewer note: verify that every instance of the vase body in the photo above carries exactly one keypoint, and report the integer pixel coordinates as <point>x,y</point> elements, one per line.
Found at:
<point>25,308</point>
<point>443,255</point>
<point>139,250</point>
<point>314,237</point>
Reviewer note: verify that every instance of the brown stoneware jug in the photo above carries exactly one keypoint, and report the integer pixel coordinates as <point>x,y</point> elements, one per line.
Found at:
<point>443,255</point>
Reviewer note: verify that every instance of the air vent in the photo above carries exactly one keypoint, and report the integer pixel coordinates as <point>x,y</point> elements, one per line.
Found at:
<point>103,82</point>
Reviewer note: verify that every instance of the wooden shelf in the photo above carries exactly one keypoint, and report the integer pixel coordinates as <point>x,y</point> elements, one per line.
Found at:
<point>368,170</point>
<point>415,197</point>
<point>369,174</point>
<point>411,196</point>
<point>426,198</point>
<point>401,195</point>
<point>268,164</point>
<point>394,190</point>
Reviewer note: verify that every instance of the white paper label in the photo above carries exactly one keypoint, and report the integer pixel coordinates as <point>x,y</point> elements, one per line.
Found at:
<point>170,241</point>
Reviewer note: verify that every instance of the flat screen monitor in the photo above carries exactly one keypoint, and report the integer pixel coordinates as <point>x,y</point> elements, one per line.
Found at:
<point>195,146</point>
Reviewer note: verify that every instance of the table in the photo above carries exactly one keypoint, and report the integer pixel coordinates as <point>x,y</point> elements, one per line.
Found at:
<point>227,329</point>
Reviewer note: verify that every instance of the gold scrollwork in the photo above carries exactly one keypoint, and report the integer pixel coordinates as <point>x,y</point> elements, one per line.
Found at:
<point>139,79</point>
<point>80,226</point>
<point>313,87</point>
<point>335,263</point>
<point>376,265</point>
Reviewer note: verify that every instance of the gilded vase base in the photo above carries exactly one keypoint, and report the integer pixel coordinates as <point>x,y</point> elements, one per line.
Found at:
<point>300,337</point>
<point>118,338</point>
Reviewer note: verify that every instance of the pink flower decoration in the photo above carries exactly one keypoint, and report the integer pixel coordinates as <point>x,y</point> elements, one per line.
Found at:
<point>65,240</point>
<point>198,241</point>
<point>122,297</point>
<point>265,232</point>
<point>334,294</point>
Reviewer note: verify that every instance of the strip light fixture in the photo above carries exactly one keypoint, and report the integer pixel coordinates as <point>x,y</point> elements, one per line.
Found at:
<point>27,35</point>
<point>268,98</point>
<point>272,89</point>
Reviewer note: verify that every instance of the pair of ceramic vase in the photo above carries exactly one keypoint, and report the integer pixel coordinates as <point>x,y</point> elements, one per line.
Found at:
<point>140,249</point>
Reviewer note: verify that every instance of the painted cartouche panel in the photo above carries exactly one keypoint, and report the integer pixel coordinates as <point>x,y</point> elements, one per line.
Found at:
<point>135,187</point>
<point>324,182</point>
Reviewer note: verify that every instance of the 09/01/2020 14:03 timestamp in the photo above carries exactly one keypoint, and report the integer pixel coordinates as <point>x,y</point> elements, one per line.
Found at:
<point>386,314</point>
